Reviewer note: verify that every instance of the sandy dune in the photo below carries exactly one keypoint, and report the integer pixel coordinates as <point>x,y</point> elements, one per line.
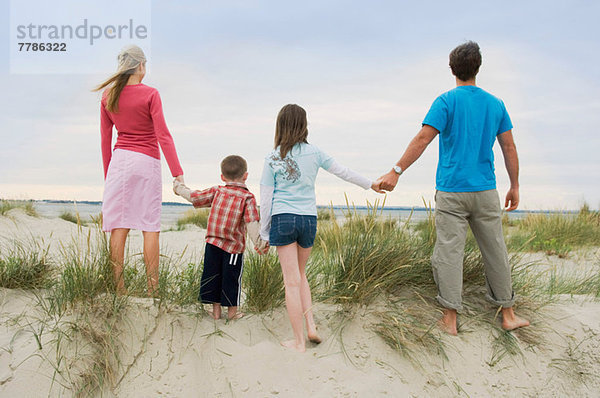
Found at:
<point>180,352</point>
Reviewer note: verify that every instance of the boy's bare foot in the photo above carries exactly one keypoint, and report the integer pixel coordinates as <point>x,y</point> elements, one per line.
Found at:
<point>448,322</point>
<point>216,312</point>
<point>293,345</point>
<point>236,315</point>
<point>510,321</point>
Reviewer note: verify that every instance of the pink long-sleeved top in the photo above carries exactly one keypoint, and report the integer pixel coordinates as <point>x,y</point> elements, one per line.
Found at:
<point>140,125</point>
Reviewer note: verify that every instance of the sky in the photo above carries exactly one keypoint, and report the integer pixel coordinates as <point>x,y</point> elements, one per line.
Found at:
<point>366,73</point>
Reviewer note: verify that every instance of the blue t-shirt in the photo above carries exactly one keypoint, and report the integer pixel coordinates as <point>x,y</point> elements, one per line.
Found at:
<point>293,178</point>
<point>468,119</point>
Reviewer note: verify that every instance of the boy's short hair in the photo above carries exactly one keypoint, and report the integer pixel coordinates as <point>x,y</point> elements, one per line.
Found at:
<point>465,60</point>
<point>233,167</point>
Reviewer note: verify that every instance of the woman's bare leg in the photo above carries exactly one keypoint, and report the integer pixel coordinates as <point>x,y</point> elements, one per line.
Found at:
<point>288,257</point>
<point>305,296</point>
<point>118,238</point>
<point>151,258</point>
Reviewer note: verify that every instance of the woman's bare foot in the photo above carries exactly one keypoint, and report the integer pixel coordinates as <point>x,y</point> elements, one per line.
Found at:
<point>448,322</point>
<point>510,321</point>
<point>292,344</point>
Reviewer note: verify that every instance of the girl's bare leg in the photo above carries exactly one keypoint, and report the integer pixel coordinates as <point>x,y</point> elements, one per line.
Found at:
<point>151,257</point>
<point>288,257</point>
<point>118,238</point>
<point>305,296</point>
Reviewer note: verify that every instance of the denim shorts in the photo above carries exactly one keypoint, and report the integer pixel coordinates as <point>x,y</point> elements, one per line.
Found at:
<point>293,228</point>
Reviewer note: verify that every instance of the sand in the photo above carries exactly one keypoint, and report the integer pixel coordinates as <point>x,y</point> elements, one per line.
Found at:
<point>181,352</point>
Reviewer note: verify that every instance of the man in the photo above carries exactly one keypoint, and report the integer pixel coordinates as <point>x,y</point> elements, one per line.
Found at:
<point>468,120</point>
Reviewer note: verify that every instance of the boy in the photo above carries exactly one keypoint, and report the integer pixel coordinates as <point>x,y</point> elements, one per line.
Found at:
<point>233,211</point>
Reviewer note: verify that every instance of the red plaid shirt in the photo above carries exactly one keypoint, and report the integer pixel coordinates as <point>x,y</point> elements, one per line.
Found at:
<point>232,206</point>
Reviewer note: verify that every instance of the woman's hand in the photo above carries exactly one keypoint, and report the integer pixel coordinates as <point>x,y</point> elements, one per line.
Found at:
<point>179,178</point>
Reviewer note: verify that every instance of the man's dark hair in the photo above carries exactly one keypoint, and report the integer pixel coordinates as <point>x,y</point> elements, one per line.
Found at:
<point>465,60</point>
<point>233,167</point>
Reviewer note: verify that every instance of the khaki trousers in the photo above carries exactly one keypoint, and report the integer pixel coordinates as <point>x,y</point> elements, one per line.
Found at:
<point>454,213</point>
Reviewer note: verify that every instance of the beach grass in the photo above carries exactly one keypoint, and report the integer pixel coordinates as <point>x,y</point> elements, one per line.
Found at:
<point>367,262</point>
<point>325,214</point>
<point>557,233</point>
<point>85,271</point>
<point>262,281</point>
<point>26,205</point>
<point>24,265</point>
<point>197,217</point>
<point>69,216</point>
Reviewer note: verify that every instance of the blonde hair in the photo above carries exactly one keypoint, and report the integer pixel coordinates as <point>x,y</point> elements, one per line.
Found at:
<point>291,128</point>
<point>129,59</point>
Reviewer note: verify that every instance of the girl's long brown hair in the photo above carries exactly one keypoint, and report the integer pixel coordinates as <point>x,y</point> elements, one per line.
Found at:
<point>291,128</point>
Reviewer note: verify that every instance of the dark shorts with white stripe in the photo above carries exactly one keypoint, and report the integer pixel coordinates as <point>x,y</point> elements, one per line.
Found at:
<point>221,277</point>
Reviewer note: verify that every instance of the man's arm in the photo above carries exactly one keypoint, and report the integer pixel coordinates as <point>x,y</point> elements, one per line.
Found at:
<point>411,154</point>
<point>511,161</point>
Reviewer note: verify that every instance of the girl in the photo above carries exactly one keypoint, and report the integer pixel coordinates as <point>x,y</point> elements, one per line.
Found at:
<point>288,211</point>
<point>132,172</point>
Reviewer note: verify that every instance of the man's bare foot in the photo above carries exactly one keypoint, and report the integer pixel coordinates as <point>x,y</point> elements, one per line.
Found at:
<point>510,321</point>
<point>448,322</point>
<point>293,345</point>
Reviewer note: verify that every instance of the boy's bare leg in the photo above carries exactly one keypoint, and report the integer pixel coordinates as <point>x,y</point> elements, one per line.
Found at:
<point>151,258</point>
<point>510,321</point>
<point>118,237</point>
<point>288,258</point>
<point>232,313</point>
<point>448,322</point>
<point>216,312</point>
<point>305,296</point>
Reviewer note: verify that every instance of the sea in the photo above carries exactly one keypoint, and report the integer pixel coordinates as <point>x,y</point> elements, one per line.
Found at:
<point>172,211</point>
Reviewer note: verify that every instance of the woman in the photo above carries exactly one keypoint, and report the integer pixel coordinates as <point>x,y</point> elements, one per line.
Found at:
<point>132,172</point>
<point>288,211</point>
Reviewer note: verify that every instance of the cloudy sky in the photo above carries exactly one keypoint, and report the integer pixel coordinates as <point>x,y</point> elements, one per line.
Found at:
<point>366,72</point>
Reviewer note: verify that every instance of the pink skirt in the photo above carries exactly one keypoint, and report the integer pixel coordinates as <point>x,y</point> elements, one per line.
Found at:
<point>132,192</point>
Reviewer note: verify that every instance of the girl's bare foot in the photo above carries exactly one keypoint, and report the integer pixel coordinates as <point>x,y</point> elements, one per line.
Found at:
<point>293,345</point>
<point>448,322</point>
<point>313,337</point>
<point>510,321</point>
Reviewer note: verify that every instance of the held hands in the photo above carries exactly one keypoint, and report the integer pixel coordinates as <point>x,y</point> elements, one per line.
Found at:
<point>262,248</point>
<point>388,181</point>
<point>376,186</point>
<point>512,199</point>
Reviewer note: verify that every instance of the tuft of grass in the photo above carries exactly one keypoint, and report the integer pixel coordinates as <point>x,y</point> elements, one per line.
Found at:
<point>557,233</point>
<point>26,205</point>
<point>68,216</point>
<point>263,282</point>
<point>85,271</point>
<point>24,266</point>
<point>410,327</point>
<point>197,217</point>
<point>325,214</point>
